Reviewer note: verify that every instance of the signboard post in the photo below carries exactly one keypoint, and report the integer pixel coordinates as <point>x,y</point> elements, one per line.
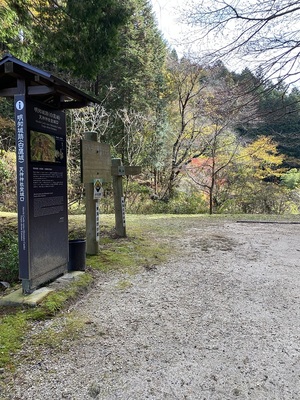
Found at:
<point>95,170</point>
<point>98,194</point>
<point>42,192</point>
<point>39,101</point>
<point>97,167</point>
<point>118,171</point>
<point>22,186</point>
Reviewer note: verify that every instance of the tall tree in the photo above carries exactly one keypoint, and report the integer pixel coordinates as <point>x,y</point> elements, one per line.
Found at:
<point>207,102</point>
<point>186,134</point>
<point>81,35</point>
<point>72,34</point>
<point>210,171</point>
<point>253,182</point>
<point>279,114</point>
<point>15,29</point>
<point>135,77</point>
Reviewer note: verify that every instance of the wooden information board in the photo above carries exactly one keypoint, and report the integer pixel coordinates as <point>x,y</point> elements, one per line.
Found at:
<point>95,161</point>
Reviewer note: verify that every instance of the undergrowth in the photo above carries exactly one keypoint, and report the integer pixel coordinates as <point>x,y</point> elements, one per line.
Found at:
<point>9,268</point>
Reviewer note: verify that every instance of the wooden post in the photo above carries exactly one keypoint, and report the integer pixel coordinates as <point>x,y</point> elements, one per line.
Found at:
<point>118,171</point>
<point>119,199</point>
<point>92,246</point>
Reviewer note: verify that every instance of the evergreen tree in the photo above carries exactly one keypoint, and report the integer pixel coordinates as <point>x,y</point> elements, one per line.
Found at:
<point>71,34</point>
<point>80,35</point>
<point>277,115</point>
<point>15,29</point>
<point>135,76</point>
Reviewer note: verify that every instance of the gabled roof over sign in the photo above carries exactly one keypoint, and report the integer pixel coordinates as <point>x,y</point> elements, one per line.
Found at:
<point>40,85</point>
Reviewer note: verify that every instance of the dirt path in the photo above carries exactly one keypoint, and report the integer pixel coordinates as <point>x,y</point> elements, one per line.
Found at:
<point>221,321</point>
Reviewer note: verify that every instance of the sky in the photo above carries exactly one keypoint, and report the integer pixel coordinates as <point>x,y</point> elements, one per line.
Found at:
<point>179,35</point>
<point>166,12</point>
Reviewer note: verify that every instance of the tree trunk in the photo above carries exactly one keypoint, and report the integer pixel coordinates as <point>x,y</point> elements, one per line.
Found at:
<point>211,195</point>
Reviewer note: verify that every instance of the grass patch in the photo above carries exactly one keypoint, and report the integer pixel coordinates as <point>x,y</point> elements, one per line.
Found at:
<point>76,225</point>
<point>55,301</point>
<point>123,284</point>
<point>59,334</point>
<point>14,326</point>
<point>129,254</point>
<point>12,331</point>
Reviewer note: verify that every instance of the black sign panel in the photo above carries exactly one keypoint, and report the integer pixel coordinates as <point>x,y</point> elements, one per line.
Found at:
<point>46,195</point>
<point>22,184</point>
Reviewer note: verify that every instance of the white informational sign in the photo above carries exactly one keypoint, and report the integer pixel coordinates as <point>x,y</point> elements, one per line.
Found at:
<point>98,189</point>
<point>123,210</point>
<point>97,221</point>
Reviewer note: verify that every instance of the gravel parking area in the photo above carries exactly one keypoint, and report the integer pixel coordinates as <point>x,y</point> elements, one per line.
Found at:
<point>219,321</point>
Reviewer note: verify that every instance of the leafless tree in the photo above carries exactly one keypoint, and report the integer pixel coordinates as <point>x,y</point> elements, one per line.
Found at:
<point>186,134</point>
<point>222,106</point>
<point>259,33</point>
<point>136,127</point>
<point>202,98</point>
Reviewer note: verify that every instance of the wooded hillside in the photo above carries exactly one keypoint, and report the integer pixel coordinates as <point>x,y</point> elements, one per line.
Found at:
<point>208,139</point>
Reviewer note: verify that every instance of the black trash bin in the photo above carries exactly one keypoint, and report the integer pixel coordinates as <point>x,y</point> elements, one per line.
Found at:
<point>77,250</point>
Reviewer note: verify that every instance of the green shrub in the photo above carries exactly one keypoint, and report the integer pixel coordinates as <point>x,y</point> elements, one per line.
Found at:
<point>264,198</point>
<point>8,181</point>
<point>182,203</point>
<point>9,266</point>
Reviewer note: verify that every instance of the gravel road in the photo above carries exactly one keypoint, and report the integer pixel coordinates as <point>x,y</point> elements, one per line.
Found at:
<point>220,321</point>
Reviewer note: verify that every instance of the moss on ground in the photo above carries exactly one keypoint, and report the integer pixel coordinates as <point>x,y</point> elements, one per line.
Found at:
<point>15,321</point>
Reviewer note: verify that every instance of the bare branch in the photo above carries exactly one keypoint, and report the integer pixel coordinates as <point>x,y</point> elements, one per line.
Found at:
<point>263,33</point>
